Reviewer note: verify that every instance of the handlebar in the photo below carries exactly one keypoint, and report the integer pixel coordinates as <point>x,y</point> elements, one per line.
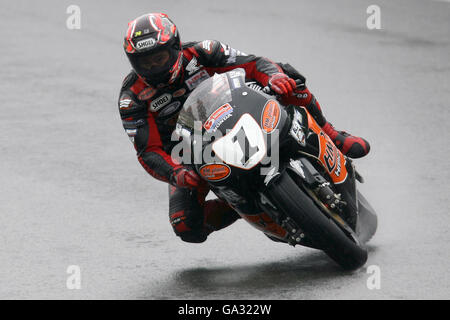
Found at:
<point>267,89</point>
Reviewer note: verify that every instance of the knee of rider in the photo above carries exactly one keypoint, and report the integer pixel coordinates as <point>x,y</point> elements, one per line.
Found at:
<point>186,221</point>
<point>187,232</point>
<point>193,236</point>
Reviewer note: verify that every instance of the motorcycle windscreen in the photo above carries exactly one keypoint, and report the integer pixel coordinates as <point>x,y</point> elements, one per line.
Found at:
<point>209,96</point>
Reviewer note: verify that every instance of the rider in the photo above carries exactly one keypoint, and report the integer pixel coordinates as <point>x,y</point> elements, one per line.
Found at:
<point>165,71</point>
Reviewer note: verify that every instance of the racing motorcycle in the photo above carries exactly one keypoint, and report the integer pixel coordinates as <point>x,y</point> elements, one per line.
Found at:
<point>275,166</point>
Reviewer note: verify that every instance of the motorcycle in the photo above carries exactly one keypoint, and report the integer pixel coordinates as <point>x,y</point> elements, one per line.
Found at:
<point>276,168</point>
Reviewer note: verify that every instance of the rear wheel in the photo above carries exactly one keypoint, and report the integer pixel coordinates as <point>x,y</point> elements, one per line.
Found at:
<point>294,203</point>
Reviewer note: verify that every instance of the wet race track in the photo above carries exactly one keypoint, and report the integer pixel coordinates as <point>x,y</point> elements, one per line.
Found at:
<point>73,193</point>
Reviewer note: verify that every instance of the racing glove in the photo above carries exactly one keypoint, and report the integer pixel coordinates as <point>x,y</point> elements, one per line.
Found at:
<point>281,84</point>
<point>186,178</point>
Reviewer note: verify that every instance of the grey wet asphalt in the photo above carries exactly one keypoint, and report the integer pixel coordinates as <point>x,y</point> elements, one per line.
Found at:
<point>73,193</point>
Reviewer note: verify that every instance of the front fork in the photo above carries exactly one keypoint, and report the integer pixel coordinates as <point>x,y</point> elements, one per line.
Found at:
<point>340,204</point>
<point>334,205</point>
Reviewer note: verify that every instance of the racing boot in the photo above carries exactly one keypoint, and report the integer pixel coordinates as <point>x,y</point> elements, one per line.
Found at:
<point>351,146</point>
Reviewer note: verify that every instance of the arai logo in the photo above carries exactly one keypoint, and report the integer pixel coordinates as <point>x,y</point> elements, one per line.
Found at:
<point>146,43</point>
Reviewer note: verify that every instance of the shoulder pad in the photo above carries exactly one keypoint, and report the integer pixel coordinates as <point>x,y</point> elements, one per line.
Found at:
<point>129,106</point>
<point>208,47</point>
<point>129,80</point>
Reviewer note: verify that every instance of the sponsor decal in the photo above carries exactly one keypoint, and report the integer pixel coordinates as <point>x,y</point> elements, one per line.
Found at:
<point>297,133</point>
<point>196,79</point>
<point>296,130</point>
<point>147,93</point>
<point>218,117</point>
<point>270,116</point>
<point>160,102</point>
<point>146,43</point>
<point>329,155</point>
<point>170,109</point>
<point>192,66</point>
<point>215,172</point>
<point>235,83</point>
<point>179,93</point>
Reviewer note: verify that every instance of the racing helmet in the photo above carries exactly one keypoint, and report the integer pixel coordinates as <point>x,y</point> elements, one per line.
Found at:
<point>153,46</point>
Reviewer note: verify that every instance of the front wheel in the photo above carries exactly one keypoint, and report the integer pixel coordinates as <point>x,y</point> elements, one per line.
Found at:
<point>294,203</point>
<point>368,221</point>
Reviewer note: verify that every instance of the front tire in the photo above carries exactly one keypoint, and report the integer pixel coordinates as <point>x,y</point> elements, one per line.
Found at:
<point>368,221</point>
<point>294,203</point>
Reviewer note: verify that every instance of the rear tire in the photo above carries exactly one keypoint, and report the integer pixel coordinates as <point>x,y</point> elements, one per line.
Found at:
<point>294,203</point>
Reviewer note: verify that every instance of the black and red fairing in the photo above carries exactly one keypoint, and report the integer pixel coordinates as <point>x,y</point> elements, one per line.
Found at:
<point>153,35</point>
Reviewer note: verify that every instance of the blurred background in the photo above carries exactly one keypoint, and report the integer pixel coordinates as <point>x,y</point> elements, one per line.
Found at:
<point>73,193</point>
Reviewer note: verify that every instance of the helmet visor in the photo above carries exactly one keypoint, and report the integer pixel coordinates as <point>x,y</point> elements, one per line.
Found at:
<point>155,65</point>
<point>154,62</point>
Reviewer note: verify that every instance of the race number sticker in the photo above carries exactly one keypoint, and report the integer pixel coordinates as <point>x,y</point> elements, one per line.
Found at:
<point>244,146</point>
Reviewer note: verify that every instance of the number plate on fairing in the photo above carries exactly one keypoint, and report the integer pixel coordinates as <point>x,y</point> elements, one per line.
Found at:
<point>244,146</point>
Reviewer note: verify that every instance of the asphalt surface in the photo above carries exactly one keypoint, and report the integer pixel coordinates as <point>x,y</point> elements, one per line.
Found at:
<point>73,193</point>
